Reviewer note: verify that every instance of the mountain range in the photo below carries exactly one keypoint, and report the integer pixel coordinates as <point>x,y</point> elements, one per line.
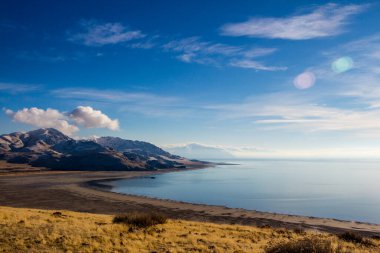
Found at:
<point>48,147</point>
<point>200,151</point>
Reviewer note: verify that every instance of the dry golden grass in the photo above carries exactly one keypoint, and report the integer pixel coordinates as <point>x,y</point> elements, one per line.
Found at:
<point>24,230</point>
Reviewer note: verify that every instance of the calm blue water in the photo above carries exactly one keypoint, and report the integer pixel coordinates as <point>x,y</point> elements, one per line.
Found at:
<point>334,189</point>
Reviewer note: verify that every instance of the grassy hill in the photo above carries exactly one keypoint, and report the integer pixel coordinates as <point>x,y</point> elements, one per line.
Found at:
<point>31,230</point>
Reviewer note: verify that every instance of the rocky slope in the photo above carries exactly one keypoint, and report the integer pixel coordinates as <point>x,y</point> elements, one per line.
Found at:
<point>47,147</point>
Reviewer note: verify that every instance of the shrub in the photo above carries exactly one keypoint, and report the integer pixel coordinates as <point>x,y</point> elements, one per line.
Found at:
<point>57,214</point>
<point>355,238</point>
<point>307,245</point>
<point>140,220</point>
<point>299,231</point>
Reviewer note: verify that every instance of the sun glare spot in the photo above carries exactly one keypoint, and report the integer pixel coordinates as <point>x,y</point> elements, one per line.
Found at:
<point>304,80</point>
<point>342,64</point>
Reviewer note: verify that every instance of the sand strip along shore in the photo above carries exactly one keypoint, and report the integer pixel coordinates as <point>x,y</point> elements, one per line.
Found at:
<point>85,191</point>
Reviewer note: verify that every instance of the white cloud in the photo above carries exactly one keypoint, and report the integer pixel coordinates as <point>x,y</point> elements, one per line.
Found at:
<point>88,117</point>
<point>65,122</point>
<point>142,45</point>
<point>43,118</point>
<point>258,52</point>
<point>250,64</point>
<point>99,34</point>
<point>193,49</point>
<point>324,21</point>
<point>195,45</point>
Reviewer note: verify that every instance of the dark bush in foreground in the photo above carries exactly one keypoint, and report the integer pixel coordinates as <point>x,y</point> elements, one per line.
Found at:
<point>355,238</point>
<point>140,220</point>
<point>307,245</point>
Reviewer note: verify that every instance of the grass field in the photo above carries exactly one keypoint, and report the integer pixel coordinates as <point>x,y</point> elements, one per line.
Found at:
<point>30,230</point>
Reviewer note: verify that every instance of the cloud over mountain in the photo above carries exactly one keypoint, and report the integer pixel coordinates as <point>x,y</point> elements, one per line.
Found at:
<point>88,117</point>
<point>43,118</point>
<point>68,123</point>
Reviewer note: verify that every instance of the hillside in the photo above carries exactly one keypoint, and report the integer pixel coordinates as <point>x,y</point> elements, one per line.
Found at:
<point>129,146</point>
<point>26,230</point>
<point>48,147</point>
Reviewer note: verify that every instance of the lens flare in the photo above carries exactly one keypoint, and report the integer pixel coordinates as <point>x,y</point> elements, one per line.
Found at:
<point>304,80</point>
<point>342,64</point>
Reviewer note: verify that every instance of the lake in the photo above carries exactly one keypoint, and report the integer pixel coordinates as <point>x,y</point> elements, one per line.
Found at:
<point>348,190</point>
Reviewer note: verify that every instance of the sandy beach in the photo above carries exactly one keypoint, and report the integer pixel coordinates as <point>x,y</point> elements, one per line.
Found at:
<point>88,192</point>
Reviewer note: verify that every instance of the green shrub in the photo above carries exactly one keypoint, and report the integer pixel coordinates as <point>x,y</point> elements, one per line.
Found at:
<point>140,220</point>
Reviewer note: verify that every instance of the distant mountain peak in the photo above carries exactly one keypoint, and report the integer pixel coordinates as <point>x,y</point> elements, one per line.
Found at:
<point>200,151</point>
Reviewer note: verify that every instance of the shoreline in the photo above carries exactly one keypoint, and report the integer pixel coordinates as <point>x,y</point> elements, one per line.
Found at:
<point>83,191</point>
<point>101,185</point>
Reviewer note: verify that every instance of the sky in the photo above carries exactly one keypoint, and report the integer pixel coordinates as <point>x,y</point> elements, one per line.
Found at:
<point>251,78</point>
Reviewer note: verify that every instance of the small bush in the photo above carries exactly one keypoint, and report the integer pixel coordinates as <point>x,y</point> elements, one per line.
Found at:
<point>140,220</point>
<point>299,231</point>
<point>57,214</point>
<point>355,238</point>
<point>307,245</point>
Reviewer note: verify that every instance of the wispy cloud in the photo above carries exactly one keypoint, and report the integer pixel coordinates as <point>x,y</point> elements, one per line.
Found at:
<point>250,64</point>
<point>143,103</point>
<point>53,55</point>
<point>258,52</point>
<point>360,83</point>
<point>115,96</point>
<point>189,50</point>
<point>323,21</point>
<point>346,101</point>
<point>195,45</point>
<point>288,111</point>
<point>94,33</point>
<point>14,88</point>
<point>193,49</point>
<point>148,104</point>
<point>142,45</point>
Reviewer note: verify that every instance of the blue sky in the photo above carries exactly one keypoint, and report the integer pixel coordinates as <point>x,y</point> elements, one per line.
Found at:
<point>258,79</point>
